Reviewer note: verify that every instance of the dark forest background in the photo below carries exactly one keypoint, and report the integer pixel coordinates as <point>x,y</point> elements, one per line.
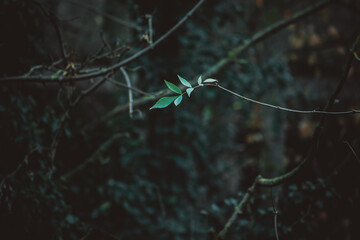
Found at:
<point>77,164</point>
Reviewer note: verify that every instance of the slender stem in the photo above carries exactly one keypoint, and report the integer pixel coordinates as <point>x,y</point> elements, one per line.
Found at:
<point>238,210</point>
<point>149,17</point>
<point>275,212</point>
<point>287,109</point>
<point>53,20</point>
<point>353,151</point>
<point>119,84</point>
<point>128,83</point>
<point>65,118</point>
<point>107,15</point>
<point>275,226</point>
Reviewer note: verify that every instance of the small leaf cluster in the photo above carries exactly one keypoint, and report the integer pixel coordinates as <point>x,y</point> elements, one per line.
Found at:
<point>166,101</point>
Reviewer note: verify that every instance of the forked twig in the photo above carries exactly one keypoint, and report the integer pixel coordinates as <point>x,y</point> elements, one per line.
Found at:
<point>128,83</point>
<point>105,71</point>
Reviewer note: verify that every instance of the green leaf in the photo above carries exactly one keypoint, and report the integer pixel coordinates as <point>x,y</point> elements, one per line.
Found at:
<point>199,81</point>
<point>210,80</point>
<point>173,87</point>
<point>178,100</point>
<point>164,102</point>
<point>189,90</point>
<point>184,82</point>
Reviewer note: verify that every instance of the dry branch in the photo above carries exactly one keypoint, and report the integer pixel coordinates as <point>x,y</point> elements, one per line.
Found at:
<point>104,71</point>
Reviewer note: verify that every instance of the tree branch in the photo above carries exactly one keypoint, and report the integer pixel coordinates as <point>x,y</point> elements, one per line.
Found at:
<point>352,151</point>
<point>53,20</point>
<point>286,109</point>
<point>60,130</point>
<point>270,182</point>
<point>239,209</point>
<point>104,71</point>
<point>106,15</point>
<point>232,54</point>
<point>276,213</point>
<point>119,84</point>
<point>264,33</point>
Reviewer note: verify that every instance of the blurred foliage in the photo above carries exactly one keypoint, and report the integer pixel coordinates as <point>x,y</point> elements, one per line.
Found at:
<point>178,173</point>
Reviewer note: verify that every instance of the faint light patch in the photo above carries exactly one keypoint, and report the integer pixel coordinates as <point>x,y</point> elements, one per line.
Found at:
<point>99,20</point>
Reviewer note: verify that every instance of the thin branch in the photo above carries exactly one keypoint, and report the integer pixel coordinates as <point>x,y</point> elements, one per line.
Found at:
<point>149,17</point>
<point>232,54</point>
<point>161,203</point>
<point>105,71</point>
<point>353,151</point>
<point>107,15</point>
<point>86,235</point>
<point>302,217</point>
<point>264,33</point>
<point>275,212</point>
<point>65,118</point>
<point>22,163</point>
<point>354,48</point>
<point>238,210</point>
<point>119,84</point>
<point>88,91</point>
<point>128,83</point>
<point>54,22</point>
<point>283,108</point>
<point>103,147</point>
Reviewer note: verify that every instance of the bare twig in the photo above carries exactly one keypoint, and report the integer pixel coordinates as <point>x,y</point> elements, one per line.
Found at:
<point>24,161</point>
<point>355,48</point>
<point>60,130</point>
<point>106,234</point>
<point>275,212</point>
<point>107,15</point>
<point>88,91</point>
<point>54,21</point>
<point>117,53</point>
<point>264,33</point>
<point>239,209</point>
<point>105,71</point>
<point>286,109</point>
<point>161,202</point>
<point>302,217</point>
<point>149,17</point>
<point>352,151</point>
<point>128,83</point>
<point>119,84</point>
<point>86,235</point>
